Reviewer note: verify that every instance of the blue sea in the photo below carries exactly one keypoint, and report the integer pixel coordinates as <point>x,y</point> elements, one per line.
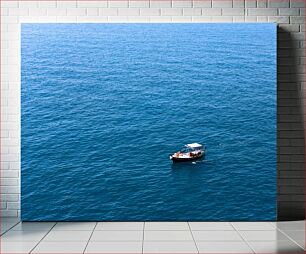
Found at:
<point>104,105</point>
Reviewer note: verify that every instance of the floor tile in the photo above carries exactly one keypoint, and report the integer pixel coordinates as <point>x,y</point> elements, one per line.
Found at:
<point>169,247</point>
<point>296,235</point>
<point>276,247</point>
<point>290,225</point>
<point>167,236</point>
<point>33,226</point>
<point>216,236</point>
<point>17,247</point>
<point>114,247</point>
<point>99,236</point>
<point>258,235</point>
<point>68,236</point>
<point>223,247</point>
<point>210,226</point>
<point>74,226</point>
<point>253,226</point>
<point>166,226</point>
<point>120,226</point>
<point>22,236</point>
<point>60,247</point>
<point>8,223</point>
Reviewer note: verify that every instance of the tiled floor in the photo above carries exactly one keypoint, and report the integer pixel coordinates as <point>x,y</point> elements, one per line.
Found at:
<point>152,237</point>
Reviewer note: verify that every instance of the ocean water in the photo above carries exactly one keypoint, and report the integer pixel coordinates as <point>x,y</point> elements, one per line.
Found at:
<point>103,106</point>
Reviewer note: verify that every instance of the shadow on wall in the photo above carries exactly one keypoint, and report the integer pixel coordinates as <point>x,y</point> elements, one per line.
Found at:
<point>290,130</point>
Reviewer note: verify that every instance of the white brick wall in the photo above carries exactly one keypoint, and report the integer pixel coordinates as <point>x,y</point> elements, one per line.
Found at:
<point>291,75</point>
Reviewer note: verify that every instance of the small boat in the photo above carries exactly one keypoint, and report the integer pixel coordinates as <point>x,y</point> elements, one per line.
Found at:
<point>189,152</point>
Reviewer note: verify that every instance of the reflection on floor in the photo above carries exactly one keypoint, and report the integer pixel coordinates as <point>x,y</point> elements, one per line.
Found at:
<point>152,237</point>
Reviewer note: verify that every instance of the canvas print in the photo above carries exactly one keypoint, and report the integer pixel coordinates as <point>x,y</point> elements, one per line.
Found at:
<point>150,122</point>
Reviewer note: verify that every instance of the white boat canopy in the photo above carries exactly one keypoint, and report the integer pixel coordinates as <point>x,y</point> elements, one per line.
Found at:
<point>194,145</point>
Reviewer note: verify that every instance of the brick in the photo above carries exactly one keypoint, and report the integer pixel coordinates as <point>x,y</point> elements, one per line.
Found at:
<point>171,11</point>
<point>291,190</point>
<point>9,181</point>
<point>66,4</point>
<point>222,19</point>
<point>118,4</point>
<point>9,197</point>
<point>279,20</point>
<point>202,3</point>
<point>181,3</point>
<point>233,11</point>
<point>291,150</point>
<point>262,19</point>
<point>291,166</point>
<point>92,4</point>
<point>138,19</point>
<point>92,19</point>
<point>160,19</point>
<point>139,4</point>
<point>10,190</point>
<point>288,28</point>
<point>289,11</point>
<point>291,134</point>
<point>76,12</point>
<point>3,205</point>
<point>160,3</point>
<point>250,3</point>
<point>9,173</point>
<point>28,4</point>
<point>297,3</point>
<point>14,165</point>
<point>57,12</point>
<point>211,12</point>
<point>47,4</point>
<point>9,4</point>
<point>149,12</point>
<point>262,12</point>
<point>181,19</point>
<point>238,19</point>
<point>128,11</point>
<point>250,19</point>
<point>201,19</point>
<point>238,3</point>
<point>222,3</point>
<point>290,182</point>
<point>192,11</point>
<point>291,198</point>
<point>92,11</point>
<point>297,20</point>
<point>291,174</point>
<point>4,11</point>
<point>18,12</point>
<point>8,19</point>
<point>13,205</point>
<point>108,11</point>
<point>262,3</point>
<point>38,12</point>
<point>9,213</point>
<point>278,3</point>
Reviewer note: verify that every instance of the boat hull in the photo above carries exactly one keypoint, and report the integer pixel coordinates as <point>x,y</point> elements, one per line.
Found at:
<point>176,159</point>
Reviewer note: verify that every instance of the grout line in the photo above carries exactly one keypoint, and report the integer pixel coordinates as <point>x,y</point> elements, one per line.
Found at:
<point>246,242</point>
<point>193,237</point>
<point>272,224</point>
<point>9,228</point>
<point>90,236</point>
<point>42,238</point>
<point>143,232</point>
<point>290,238</point>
